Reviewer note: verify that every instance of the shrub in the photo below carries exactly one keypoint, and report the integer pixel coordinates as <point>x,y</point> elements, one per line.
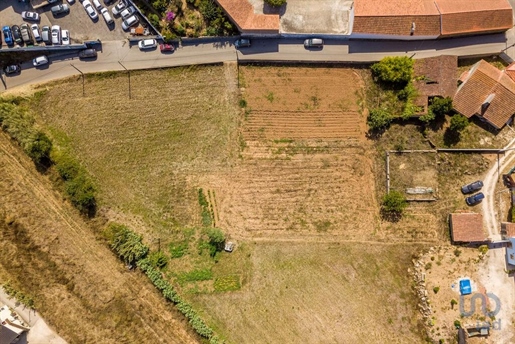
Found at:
<point>379,119</point>
<point>396,70</point>
<point>154,20</point>
<point>394,202</point>
<point>126,243</point>
<point>178,249</point>
<point>82,193</point>
<point>436,290</point>
<point>453,303</point>
<point>216,240</point>
<point>275,3</point>
<point>158,259</point>
<point>458,123</point>
<point>38,148</point>
<point>441,106</point>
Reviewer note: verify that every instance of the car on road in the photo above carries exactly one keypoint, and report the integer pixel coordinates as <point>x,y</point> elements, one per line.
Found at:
<point>30,15</point>
<point>17,34</point>
<point>126,13</point>
<point>314,43</point>
<point>8,35</point>
<point>35,32</point>
<point>166,47</point>
<point>25,34</point>
<point>60,9</point>
<point>147,44</point>
<point>475,199</point>
<point>472,187</point>
<point>242,43</point>
<point>56,34</point>
<point>46,35</point>
<point>107,17</point>
<point>87,53</point>
<point>40,61</point>
<point>90,10</point>
<point>12,69</point>
<point>65,37</point>
<point>118,8</point>
<point>131,21</point>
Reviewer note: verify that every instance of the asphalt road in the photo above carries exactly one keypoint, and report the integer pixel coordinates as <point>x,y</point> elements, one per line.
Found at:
<point>114,54</point>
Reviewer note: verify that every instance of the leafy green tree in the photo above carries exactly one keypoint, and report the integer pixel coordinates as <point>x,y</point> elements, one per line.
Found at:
<point>127,244</point>
<point>396,70</point>
<point>275,3</point>
<point>158,259</point>
<point>216,240</point>
<point>441,106</point>
<point>39,148</point>
<point>458,123</point>
<point>394,204</point>
<point>379,119</point>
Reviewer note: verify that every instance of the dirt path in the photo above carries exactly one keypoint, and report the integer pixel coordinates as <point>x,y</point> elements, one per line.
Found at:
<point>492,274</point>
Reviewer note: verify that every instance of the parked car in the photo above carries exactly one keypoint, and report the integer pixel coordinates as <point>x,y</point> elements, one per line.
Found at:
<point>472,187</point>
<point>97,4</point>
<point>40,61</point>
<point>126,13</point>
<point>166,47</point>
<point>65,37</point>
<point>131,21</point>
<point>46,35</point>
<point>475,199</point>
<point>107,16</point>
<point>147,44</point>
<point>12,69</point>
<point>60,9</point>
<point>90,10</point>
<point>17,34</point>
<point>118,8</point>
<point>56,34</point>
<point>87,53</point>
<point>52,1</point>
<point>108,2</point>
<point>8,35</point>
<point>35,32</point>
<point>314,43</point>
<point>71,1</point>
<point>25,34</point>
<point>242,43</point>
<point>30,15</point>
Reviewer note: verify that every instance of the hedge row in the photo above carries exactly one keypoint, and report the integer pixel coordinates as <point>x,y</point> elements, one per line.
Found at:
<point>170,294</point>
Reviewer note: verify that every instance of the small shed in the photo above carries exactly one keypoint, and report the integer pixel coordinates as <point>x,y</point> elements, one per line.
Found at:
<point>465,287</point>
<point>507,230</point>
<point>467,228</point>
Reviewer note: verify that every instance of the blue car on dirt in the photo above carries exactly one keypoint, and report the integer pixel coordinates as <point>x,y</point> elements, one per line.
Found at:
<point>8,35</point>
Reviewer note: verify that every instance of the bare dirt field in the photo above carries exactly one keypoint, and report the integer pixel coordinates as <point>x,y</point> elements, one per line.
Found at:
<point>79,286</point>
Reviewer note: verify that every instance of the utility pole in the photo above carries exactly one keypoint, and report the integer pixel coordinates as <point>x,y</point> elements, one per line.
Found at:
<point>129,74</point>
<point>82,74</point>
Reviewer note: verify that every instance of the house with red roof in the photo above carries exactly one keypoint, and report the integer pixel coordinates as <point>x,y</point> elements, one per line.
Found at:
<point>487,93</point>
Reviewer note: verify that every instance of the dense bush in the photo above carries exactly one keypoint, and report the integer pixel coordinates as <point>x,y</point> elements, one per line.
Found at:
<point>158,259</point>
<point>458,123</point>
<point>216,240</point>
<point>396,70</point>
<point>38,148</point>
<point>441,106</point>
<point>126,243</point>
<point>379,119</point>
<point>394,203</point>
<point>275,3</point>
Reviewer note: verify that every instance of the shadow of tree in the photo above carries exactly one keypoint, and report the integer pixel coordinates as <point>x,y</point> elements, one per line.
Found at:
<point>451,137</point>
<point>268,9</point>
<point>391,216</point>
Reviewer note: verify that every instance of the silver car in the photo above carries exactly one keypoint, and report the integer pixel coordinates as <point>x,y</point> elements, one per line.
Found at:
<point>56,34</point>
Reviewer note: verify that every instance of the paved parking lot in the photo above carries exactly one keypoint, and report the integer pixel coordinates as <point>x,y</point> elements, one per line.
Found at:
<point>77,21</point>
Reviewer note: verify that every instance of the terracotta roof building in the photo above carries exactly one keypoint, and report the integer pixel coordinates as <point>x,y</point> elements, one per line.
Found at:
<point>430,18</point>
<point>241,12</point>
<point>467,228</point>
<point>486,92</point>
<point>435,76</point>
<point>510,71</point>
<point>507,230</point>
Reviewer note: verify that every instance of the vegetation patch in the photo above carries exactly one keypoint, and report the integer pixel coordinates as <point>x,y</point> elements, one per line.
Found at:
<point>195,275</point>
<point>227,283</point>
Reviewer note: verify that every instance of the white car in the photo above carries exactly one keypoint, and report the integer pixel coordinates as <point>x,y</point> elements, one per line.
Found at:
<point>40,61</point>
<point>90,10</point>
<point>97,4</point>
<point>129,11</point>
<point>131,21</point>
<point>147,44</point>
<point>118,8</point>
<point>56,34</point>
<point>35,32</point>
<point>30,15</point>
<point>65,37</point>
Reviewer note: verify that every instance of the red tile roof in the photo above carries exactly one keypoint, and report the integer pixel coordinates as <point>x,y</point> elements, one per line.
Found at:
<point>242,14</point>
<point>435,76</point>
<point>486,84</point>
<point>467,227</point>
<point>508,230</point>
<point>510,71</point>
<point>432,17</point>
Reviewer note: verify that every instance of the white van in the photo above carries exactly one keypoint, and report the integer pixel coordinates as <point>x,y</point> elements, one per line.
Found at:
<point>107,16</point>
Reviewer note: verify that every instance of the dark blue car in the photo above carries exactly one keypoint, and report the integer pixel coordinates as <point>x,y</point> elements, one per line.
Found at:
<point>8,35</point>
<point>475,199</point>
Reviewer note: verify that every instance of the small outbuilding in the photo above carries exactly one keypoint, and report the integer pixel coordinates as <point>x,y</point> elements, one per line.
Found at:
<point>467,228</point>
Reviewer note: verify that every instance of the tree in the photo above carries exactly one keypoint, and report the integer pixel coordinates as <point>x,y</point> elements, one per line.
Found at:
<point>379,119</point>
<point>216,240</point>
<point>127,244</point>
<point>441,106</point>
<point>396,70</point>
<point>39,148</point>
<point>275,3</point>
<point>458,123</point>
<point>394,204</point>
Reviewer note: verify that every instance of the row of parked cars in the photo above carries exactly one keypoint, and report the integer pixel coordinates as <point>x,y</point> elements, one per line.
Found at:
<point>471,188</point>
<point>128,13</point>
<point>28,34</point>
